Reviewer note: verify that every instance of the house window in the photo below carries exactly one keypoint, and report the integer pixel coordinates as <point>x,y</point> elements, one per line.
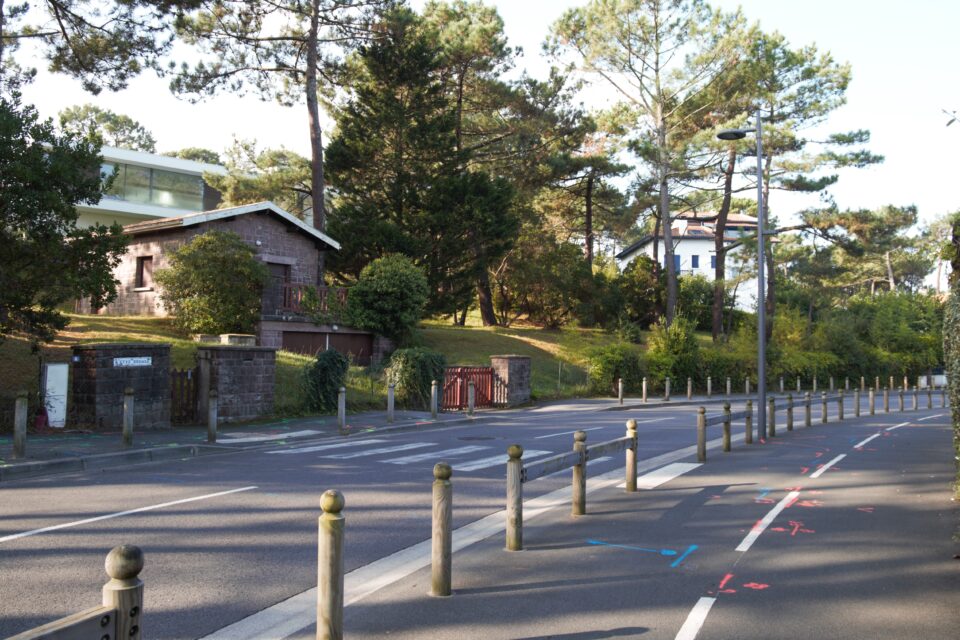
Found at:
<point>713,262</point>
<point>695,262</point>
<point>676,262</point>
<point>144,272</point>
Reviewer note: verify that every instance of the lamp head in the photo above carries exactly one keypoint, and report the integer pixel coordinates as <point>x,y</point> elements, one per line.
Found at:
<point>734,134</point>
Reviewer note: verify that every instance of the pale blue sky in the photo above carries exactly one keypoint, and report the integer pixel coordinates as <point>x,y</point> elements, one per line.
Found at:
<point>904,58</point>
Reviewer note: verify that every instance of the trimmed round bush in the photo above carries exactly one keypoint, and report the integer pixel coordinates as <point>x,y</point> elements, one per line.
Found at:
<point>323,378</point>
<point>412,371</point>
<point>388,298</point>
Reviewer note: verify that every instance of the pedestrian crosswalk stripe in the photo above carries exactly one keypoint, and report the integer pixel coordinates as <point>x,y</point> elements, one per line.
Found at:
<point>381,450</point>
<point>493,461</point>
<point>437,455</point>
<point>324,447</point>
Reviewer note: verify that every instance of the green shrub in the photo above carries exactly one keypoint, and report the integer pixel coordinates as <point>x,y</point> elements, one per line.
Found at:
<point>388,298</point>
<point>214,284</point>
<point>673,352</point>
<point>412,371</point>
<point>323,378</point>
<point>610,363</point>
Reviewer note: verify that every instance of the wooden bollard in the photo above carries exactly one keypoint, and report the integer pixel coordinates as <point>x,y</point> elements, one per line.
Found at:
<point>900,398</point>
<point>644,390</point>
<point>929,396</point>
<point>442,543</point>
<point>330,567</point>
<point>906,382</point>
<point>748,423</point>
<point>434,405</point>
<point>212,418</point>
<point>746,386</point>
<point>726,425</point>
<point>391,396</point>
<point>846,384</point>
<point>342,408</point>
<point>856,403</point>
<point>631,457</point>
<point>807,409</point>
<point>472,397</point>
<point>876,383</point>
<point>579,476</point>
<point>689,388</point>
<point>620,390</point>
<point>863,384</point>
<point>886,400</point>
<point>891,383</point>
<point>514,498</point>
<point>20,426</point>
<point>823,407</point>
<point>709,387</point>
<point>814,388</point>
<point>798,384</point>
<point>666,390</point>
<point>831,384</point>
<point>771,418</point>
<point>840,405</point>
<point>127,437</point>
<point>729,388</point>
<point>789,412</point>
<point>872,401</point>
<point>124,592</point>
<point>781,384</point>
<point>916,404</point>
<point>701,434</point>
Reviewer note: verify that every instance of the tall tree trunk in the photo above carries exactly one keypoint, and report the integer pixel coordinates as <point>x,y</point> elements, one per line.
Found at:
<point>485,300</point>
<point>893,284</point>
<point>658,310</point>
<point>316,135</point>
<point>671,306</point>
<point>720,269</point>
<point>588,221</point>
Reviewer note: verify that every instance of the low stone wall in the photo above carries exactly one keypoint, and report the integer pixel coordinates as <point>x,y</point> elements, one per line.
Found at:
<point>244,378</point>
<point>101,372</point>
<point>515,372</point>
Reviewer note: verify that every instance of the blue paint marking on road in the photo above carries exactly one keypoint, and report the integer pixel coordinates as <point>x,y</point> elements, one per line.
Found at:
<point>690,549</point>
<point>763,494</point>
<point>663,552</point>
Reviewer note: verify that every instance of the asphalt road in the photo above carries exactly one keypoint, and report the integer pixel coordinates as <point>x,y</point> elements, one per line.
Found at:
<point>241,534</point>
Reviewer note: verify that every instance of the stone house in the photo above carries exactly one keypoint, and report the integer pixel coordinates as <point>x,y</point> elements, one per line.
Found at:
<point>292,250</point>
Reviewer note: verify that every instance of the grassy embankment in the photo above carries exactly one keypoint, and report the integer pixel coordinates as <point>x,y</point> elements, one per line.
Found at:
<point>559,358</point>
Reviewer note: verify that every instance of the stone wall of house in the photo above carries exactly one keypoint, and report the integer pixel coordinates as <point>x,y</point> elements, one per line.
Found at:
<point>101,373</point>
<point>244,378</point>
<point>515,372</point>
<point>274,240</point>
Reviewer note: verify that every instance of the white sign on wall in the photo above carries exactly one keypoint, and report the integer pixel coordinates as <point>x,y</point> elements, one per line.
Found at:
<point>55,393</point>
<point>144,361</point>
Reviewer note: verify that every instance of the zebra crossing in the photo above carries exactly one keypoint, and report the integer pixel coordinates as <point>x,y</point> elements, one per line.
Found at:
<point>462,458</point>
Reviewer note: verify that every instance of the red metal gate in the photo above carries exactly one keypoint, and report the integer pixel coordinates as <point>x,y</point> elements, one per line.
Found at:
<point>489,389</point>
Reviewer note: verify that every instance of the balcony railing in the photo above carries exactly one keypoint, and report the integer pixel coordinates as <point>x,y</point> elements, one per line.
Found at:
<point>293,296</point>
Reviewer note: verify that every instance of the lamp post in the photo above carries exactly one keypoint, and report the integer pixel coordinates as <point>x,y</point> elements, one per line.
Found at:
<point>739,134</point>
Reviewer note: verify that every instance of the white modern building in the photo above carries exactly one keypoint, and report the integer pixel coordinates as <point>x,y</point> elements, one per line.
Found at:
<point>694,251</point>
<point>148,186</point>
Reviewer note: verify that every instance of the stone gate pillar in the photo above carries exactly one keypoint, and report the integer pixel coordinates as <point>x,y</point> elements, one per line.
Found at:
<point>514,371</point>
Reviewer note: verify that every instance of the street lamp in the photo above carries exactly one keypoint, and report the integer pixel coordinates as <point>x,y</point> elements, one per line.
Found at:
<point>739,134</point>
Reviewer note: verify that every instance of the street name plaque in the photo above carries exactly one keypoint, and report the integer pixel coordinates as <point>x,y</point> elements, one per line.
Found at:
<point>144,361</point>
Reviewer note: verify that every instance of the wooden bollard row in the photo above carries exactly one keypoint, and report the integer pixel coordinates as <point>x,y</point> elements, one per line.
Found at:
<point>576,460</point>
<point>121,612</point>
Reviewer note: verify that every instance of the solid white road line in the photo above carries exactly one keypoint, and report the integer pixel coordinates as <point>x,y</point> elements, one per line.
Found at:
<point>819,472</point>
<point>493,461</point>
<point>939,415</point>
<point>695,620</point>
<point>436,455</point>
<point>762,524</point>
<point>381,450</point>
<point>565,433</point>
<point>860,444</point>
<point>897,426</point>
<point>293,614</point>
<point>228,439</point>
<point>324,447</point>
<point>66,525</point>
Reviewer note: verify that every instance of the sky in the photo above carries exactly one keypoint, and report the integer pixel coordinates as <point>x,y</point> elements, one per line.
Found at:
<point>905,67</point>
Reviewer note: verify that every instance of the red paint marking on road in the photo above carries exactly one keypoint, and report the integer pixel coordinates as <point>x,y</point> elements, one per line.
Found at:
<point>815,492</point>
<point>865,509</point>
<point>798,527</point>
<point>777,529</point>
<point>756,585</point>
<point>726,579</point>
<point>818,454</point>
<point>803,470</point>
<point>791,502</point>
<point>809,503</point>
<point>793,489</point>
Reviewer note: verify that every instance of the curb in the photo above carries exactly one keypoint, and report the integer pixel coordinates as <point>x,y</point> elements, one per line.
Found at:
<point>98,461</point>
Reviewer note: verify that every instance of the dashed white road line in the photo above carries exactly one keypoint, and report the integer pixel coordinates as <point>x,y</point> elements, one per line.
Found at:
<point>663,475</point>
<point>863,442</point>
<point>565,433</point>
<point>119,514</point>
<point>819,472</point>
<point>939,415</point>
<point>897,426</point>
<point>695,619</point>
<point>763,523</point>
